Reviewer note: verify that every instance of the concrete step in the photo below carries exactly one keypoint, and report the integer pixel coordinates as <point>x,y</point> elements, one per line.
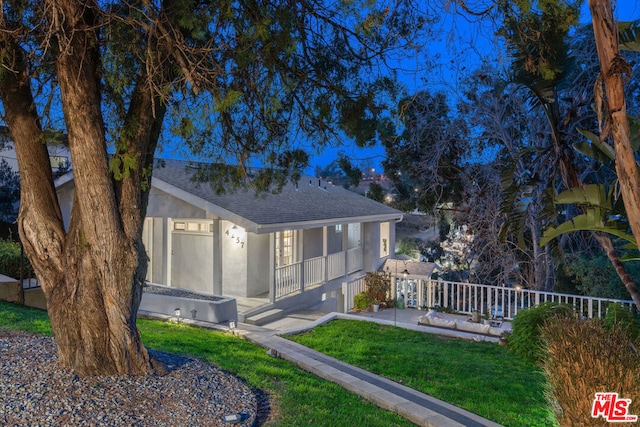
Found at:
<point>265,317</point>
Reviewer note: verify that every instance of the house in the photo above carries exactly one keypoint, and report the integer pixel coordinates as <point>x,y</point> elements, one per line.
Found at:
<point>58,158</point>
<point>59,155</point>
<point>288,250</point>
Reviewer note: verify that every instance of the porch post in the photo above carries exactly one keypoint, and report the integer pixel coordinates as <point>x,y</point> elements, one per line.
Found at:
<point>302,257</point>
<point>217,259</point>
<point>272,267</point>
<point>325,250</point>
<point>345,248</point>
<point>169,250</point>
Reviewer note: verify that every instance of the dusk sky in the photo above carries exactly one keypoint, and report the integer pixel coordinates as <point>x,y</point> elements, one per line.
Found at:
<point>463,44</point>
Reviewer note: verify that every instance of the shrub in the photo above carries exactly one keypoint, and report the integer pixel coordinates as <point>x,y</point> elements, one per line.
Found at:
<point>410,246</point>
<point>10,260</point>
<point>584,357</point>
<point>361,301</point>
<point>378,286</point>
<point>595,276</point>
<point>622,316</point>
<point>525,340</point>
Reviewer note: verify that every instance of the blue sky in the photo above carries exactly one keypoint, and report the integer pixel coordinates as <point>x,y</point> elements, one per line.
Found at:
<point>463,44</point>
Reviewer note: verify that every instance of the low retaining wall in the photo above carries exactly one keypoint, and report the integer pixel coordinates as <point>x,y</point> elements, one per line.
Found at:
<point>10,292</point>
<point>222,311</point>
<point>9,289</point>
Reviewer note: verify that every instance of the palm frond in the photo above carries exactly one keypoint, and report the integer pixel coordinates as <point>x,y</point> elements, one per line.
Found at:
<point>629,33</point>
<point>594,219</point>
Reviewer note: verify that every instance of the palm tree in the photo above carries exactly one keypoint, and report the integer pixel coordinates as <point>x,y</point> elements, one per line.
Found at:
<point>541,66</point>
<point>602,214</point>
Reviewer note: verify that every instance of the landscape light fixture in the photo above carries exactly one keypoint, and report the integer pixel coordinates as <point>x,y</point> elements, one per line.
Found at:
<point>235,418</point>
<point>405,273</point>
<point>177,313</point>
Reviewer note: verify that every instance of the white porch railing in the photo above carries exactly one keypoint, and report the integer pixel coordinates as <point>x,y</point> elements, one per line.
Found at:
<point>336,267</point>
<point>495,300</point>
<point>314,271</point>
<point>290,278</point>
<point>354,260</point>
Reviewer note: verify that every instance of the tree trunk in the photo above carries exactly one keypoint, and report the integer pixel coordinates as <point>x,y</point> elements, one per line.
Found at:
<point>92,275</point>
<point>614,69</point>
<point>607,245</point>
<point>94,314</point>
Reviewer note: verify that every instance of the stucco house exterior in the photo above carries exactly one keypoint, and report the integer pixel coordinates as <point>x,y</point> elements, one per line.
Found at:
<point>288,250</point>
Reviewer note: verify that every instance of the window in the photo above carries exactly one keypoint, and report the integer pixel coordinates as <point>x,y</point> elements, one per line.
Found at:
<point>339,228</point>
<point>193,226</point>
<point>384,239</point>
<point>59,162</point>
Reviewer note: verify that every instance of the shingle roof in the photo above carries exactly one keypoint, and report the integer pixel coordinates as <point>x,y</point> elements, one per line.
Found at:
<point>413,268</point>
<point>305,203</point>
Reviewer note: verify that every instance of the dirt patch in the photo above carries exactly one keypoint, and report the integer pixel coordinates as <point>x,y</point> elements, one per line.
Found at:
<point>412,225</point>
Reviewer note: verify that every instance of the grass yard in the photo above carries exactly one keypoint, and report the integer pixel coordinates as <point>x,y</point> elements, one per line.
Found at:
<point>297,398</point>
<point>480,377</point>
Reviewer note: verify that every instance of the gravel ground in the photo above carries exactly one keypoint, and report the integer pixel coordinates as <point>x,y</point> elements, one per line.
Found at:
<point>36,391</point>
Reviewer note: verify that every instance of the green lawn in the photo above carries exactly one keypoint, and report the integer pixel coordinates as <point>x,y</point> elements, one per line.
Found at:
<point>297,398</point>
<point>481,377</point>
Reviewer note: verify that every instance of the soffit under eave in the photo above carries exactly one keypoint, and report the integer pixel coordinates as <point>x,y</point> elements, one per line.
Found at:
<point>306,225</point>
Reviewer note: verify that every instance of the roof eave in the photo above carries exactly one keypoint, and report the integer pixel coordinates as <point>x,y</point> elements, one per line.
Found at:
<point>271,228</point>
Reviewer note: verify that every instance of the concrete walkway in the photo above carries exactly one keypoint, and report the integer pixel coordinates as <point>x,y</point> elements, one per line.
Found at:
<point>420,408</point>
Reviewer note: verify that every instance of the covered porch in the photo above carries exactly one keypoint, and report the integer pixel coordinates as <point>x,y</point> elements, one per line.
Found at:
<point>260,271</point>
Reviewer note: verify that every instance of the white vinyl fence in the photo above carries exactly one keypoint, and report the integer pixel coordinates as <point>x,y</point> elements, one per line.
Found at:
<point>350,290</point>
<point>493,300</point>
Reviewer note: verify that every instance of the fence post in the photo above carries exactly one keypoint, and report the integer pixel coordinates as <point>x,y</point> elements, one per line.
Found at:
<point>345,293</point>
